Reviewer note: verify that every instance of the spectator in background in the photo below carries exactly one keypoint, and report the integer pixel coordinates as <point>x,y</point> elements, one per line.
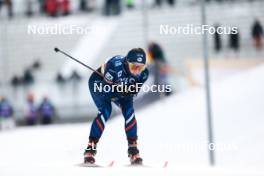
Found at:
<point>130,4</point>
<point>234,41</point>
<point>46,111</point>
<point>112,7</point>
<point>257,34</point>
<point>158,3</point>
<point>65,6</point>
<point>31,114</point>
<point>29,10</point>
<point>217,40</point>
<point>6,115</point>
<point>42,5</point>
<point>28,77</point>
<point>9,5</point>
<point>87,5</point>
<point>83,5</point>
<point>171,2</point>
<point>160,69</point>
<point>52,7</point>
<point>60,79</point>
<point>16,81</point>
<point>108,6</point>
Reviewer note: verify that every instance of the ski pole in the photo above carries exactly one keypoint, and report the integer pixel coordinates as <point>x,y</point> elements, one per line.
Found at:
<point>76,60</point>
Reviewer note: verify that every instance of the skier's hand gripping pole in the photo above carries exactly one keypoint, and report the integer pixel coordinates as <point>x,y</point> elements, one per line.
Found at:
<point>76,60</point>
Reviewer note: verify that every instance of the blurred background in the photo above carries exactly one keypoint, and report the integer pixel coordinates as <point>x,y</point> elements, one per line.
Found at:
<point>39,87</point>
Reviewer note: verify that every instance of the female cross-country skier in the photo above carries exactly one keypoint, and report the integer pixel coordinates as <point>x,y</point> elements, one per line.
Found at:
<point>119,70</point>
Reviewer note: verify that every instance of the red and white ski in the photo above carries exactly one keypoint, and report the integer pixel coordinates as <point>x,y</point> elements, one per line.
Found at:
<point>164,165</point>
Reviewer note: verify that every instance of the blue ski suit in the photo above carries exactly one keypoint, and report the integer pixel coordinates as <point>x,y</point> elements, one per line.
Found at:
<point>115,71</point>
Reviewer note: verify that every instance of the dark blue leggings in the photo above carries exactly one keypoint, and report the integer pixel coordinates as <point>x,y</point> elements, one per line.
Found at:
<point>104,107</point>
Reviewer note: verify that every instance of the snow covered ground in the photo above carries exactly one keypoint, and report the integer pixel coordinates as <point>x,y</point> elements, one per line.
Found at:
<point>172,130</point>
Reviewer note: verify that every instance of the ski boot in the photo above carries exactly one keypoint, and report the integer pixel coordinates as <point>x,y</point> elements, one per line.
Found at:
<point>133,153</point>
<point>89,153</point>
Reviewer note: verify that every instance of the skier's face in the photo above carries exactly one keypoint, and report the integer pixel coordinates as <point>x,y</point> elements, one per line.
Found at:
<point>135,68</point>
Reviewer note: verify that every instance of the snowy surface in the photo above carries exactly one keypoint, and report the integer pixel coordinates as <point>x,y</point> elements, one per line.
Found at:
<point>172,130</point>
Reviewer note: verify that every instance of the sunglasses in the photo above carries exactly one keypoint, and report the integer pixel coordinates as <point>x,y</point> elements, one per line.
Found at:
<point>136,68</point>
